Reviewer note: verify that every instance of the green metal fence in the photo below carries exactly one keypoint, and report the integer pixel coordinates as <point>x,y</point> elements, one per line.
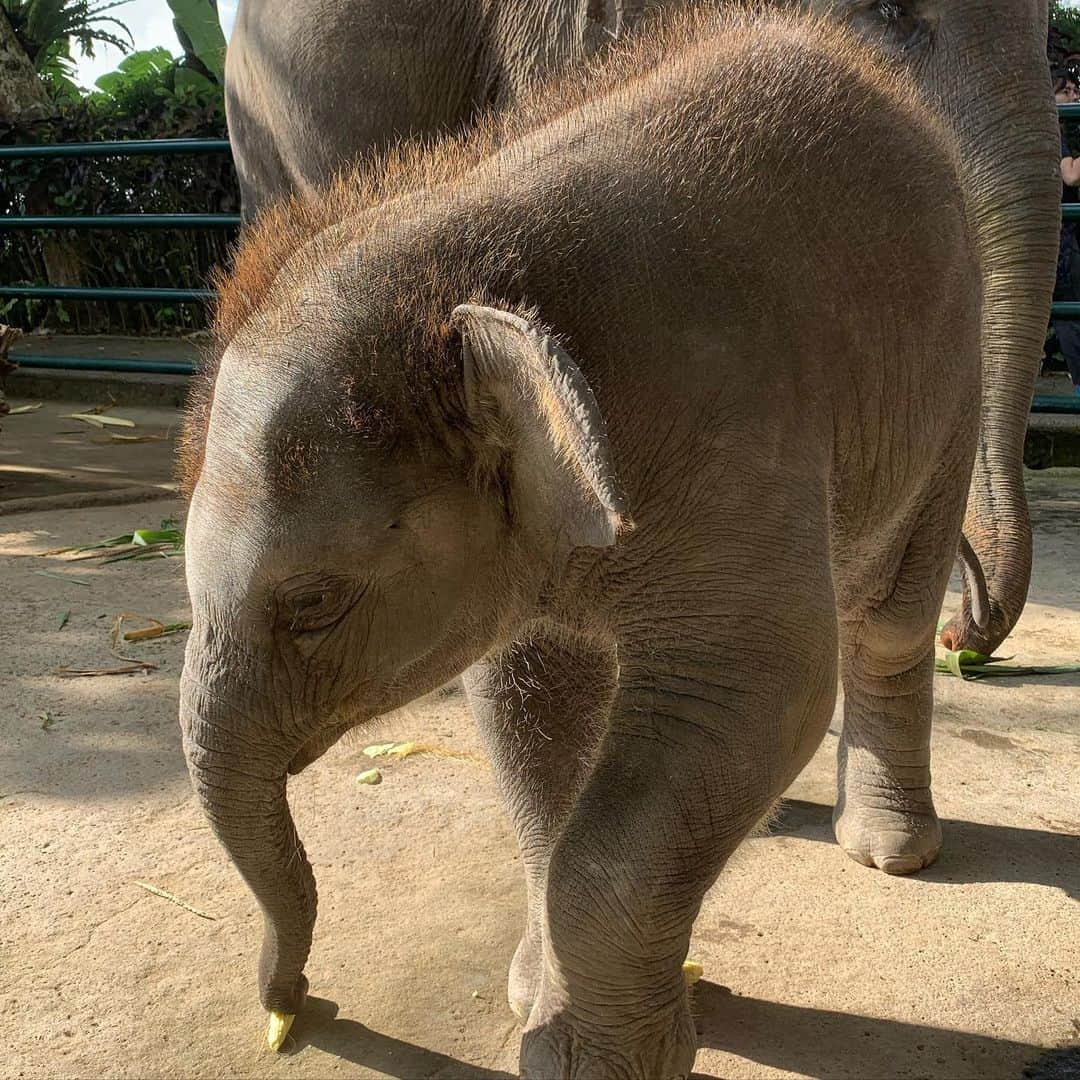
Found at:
<point>150,147</point>
<point>169,147</point>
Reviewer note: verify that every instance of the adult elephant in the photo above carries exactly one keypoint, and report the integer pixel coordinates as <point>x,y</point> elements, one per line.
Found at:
<point>311,85</point>
<point>984,63</point>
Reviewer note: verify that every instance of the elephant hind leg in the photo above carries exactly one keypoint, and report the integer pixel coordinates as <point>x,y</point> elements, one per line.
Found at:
<point>889,604</point>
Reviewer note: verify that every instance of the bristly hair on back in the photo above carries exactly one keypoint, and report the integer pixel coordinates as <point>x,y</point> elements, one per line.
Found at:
<point>285,228</point>
<point>284,235</point>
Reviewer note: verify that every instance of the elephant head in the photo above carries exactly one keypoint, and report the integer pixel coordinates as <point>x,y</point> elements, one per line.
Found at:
<point>349,551</point>
<point>984,63</point>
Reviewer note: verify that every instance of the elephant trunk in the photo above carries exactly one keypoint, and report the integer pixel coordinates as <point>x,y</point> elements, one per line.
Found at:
<point>1010,157</point>
<point>241,785</point>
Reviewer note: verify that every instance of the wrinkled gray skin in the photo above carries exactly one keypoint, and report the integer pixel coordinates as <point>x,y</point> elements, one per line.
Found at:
<point>313,84</point>
<point>984,63</point>
<point>645,566</point>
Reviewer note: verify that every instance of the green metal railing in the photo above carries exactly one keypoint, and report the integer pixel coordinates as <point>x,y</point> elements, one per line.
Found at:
<point>129,148</point>
<point>124,221</point>
<point>167,147</point>
<point>126,148</point>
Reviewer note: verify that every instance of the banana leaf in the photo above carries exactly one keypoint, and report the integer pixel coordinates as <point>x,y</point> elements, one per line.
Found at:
<point>969,665</point>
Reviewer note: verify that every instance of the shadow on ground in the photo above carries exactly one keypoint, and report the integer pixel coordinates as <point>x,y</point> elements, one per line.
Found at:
<point>814,1042</point>
<point>102,742</point>
<point>971,851</point>
<point>818,1042</point>
<point>318,1026</point>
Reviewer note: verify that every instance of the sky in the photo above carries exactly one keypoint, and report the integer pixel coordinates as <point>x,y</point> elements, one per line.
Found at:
<point>150,23</point>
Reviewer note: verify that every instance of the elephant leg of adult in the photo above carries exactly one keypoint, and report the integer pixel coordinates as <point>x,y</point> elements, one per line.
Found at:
<point>542,706</point>
<point>704,736</point>
<point>884,814</point>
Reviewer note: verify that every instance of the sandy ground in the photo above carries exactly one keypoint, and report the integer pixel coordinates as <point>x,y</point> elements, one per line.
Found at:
<point>814,966</point>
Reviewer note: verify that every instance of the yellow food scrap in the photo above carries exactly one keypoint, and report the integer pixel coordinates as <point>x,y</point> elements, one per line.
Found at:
<point>278,1028</point>
<point>692,971</point>
<point>391,749</point>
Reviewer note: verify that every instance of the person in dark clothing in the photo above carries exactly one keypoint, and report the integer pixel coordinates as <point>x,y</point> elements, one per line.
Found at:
<point>1067,285</point>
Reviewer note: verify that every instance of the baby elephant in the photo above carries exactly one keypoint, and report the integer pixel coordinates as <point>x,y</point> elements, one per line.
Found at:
<point>638,406</point>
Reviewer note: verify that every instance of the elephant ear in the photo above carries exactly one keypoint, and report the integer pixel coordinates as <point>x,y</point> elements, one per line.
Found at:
<point>527,396</point>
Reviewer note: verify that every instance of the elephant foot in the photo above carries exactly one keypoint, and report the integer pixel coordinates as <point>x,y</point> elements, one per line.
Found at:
<point>896,839</point>
<point>655,1048</point>
<point>525,971</point>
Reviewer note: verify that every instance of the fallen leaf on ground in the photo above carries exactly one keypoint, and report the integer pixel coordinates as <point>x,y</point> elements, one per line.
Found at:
<point>407,749</point>
<point>370,776</point>
<point>112,436</point>
<point>99,419</point>
<point>63,620</point>
<point>379,749</point>
<point>89,673</point>
<point>174,899</point>
<point>47,720</point>
<point>155,628</point>
<point>24,409</point>
<point>61,577</point>
<point>969,665</point>
<point>165,541</point>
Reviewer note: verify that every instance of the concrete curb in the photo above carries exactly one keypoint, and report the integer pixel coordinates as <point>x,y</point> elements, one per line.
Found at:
<point>132,493</point>
<point>122,387</point>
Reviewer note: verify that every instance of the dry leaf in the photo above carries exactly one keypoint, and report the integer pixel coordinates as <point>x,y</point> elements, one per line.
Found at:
<point>155,628</point>
<point>174,899</point>
<point>89,673</point>
<point>407,749</point>
<point>99,420</point>
<point>115,437</point>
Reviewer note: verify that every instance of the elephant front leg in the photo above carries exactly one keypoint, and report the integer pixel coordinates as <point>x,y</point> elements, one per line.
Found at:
<point>685,772</point>
<point>542,706</point>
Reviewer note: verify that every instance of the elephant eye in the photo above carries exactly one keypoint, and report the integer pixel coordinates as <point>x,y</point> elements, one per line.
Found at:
<point>304,608</point>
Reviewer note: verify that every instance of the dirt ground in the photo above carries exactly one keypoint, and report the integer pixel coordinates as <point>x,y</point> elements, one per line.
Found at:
<point>814,966</point>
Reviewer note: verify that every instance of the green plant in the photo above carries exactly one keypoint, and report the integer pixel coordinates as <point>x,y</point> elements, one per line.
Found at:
<point>46,30</point>
<point>150,66</point>
<point>1065,20</point>
<point>199,30</point>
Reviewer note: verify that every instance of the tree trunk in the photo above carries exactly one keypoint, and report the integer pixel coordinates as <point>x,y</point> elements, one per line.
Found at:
<point>8,336</point>
<point>22,93</point>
